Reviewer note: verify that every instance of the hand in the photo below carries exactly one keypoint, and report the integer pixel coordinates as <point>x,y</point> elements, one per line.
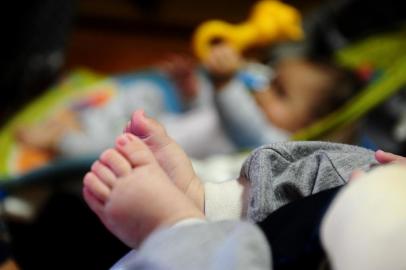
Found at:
<point>223,61</point>
<point>181,69</point>
<point>385,158</point>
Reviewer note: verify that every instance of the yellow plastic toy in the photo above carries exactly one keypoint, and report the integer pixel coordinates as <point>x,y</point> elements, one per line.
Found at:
<point>270,21</point>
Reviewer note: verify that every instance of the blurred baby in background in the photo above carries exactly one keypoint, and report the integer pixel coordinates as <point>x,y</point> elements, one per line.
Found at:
<point>259,104</point>
<point>230,104</point>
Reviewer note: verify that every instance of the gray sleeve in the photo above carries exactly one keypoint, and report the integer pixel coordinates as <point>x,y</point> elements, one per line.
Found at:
<point>224,245</point>
<point>243,121</point>
<point>283,172</point>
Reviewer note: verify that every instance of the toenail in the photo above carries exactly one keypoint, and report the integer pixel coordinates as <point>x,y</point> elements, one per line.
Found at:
<point>122,140</point>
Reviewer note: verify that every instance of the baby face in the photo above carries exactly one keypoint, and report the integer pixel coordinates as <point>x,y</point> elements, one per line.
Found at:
<point>292,98</point>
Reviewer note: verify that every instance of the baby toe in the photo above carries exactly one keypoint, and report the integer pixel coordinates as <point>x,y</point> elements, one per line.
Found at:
<point>135,150</point>
<point>149,130</point>
<point>104,173</point>
<point>116,162</point>
<point>96,187</point>
<point>94,203</point>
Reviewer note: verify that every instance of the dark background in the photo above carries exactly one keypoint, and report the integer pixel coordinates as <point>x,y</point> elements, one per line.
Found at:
<point>43,39</point>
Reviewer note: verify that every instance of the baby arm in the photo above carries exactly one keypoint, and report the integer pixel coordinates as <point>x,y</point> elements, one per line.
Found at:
<point>243,120</point>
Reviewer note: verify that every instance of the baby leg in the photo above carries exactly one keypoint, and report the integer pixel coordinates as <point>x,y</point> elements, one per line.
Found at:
<point>132,195</point>
<point>169,155</point>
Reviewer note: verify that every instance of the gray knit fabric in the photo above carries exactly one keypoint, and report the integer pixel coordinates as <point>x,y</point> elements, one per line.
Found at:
<point>209,246</point>
<point>283,172</point>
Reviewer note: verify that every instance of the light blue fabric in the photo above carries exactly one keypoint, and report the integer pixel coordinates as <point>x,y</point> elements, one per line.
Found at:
<point>243,120</point>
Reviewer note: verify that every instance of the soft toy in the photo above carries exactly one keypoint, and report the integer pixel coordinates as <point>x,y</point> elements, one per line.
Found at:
<point>270,21</point>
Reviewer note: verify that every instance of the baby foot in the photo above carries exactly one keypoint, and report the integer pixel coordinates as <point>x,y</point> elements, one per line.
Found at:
<point>131,194</point>
<point>169,155</point>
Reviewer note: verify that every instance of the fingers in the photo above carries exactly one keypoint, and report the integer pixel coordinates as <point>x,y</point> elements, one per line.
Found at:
<point>223,60</point>
<point>177,65</point>
<point>385,157</point>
